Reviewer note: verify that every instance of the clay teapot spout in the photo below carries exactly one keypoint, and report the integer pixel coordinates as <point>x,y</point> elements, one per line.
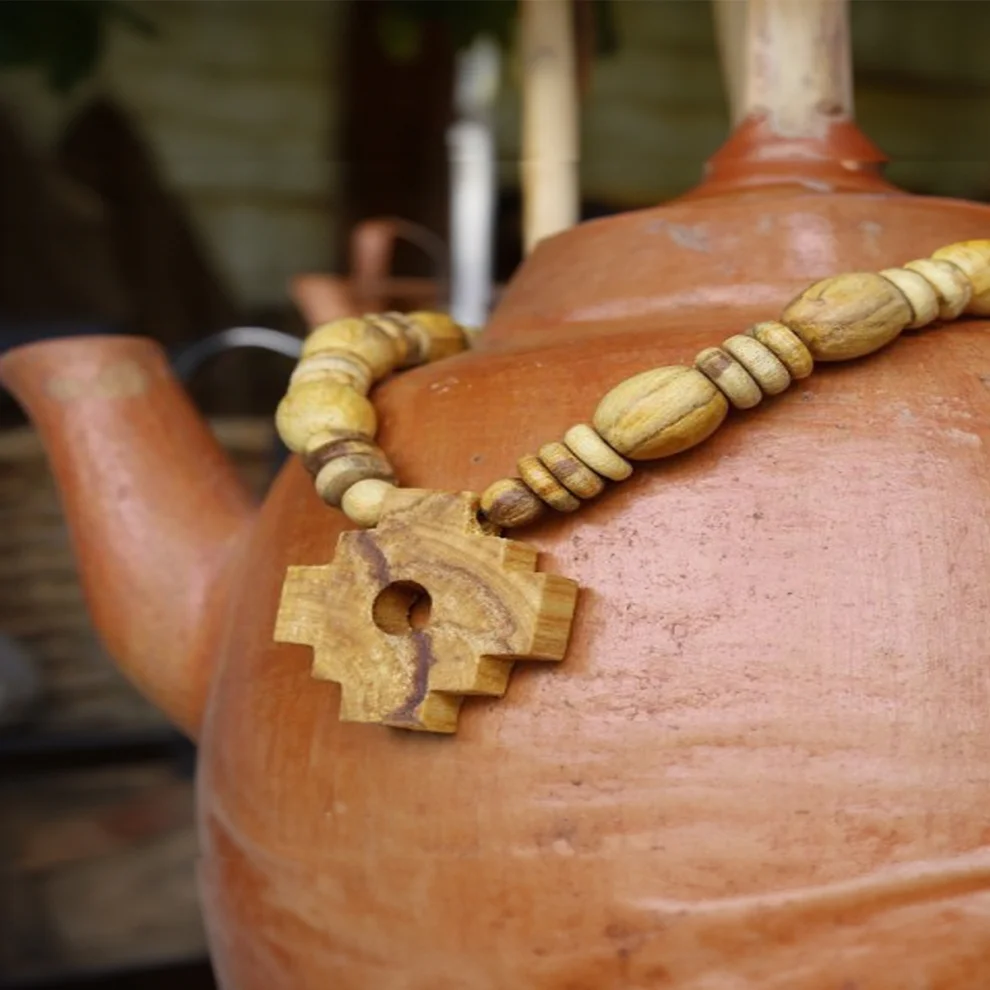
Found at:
<point>153,506</point>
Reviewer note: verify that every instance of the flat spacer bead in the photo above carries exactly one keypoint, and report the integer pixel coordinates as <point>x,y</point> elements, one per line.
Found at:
<point>342,367</point>
<point>729,376</point>
<point>357,336</point>
<point>763,365</point>
<point>339,473</point>
<point>951,286</point>
<point>787,345</point>
<point>585,443</point>
<point>535,474</point>
<point>445,336</point>
<point>973,259</point>
<point>919,293</point>
<point>315,458</point>
<point>313,407</point>
<point>570,471</point>
<point>391,325</point>
<point>509,503</point>
<point>364,500</point>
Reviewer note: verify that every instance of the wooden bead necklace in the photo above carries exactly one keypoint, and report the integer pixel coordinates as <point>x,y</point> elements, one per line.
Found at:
<point>327,418</point>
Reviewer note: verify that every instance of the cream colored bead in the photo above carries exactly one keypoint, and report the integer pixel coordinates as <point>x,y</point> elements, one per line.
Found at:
<point>787,345</point>
<point>536,475</point>
<point>919,293</point>
<point>586,444</point>
<point>315,407</point>
<point>509,503</point>
<point>973,258</point>
<point>763,365</point>
<point>848,316</point>
<point>731,378</point>
<point>364,500</point>
<point>445,336</point>
<point>357,336</point>
<point>659,413</point>
<point>570,471</point>
<point>334,366</point>
<point>951,286</point>
<point>393,326</point>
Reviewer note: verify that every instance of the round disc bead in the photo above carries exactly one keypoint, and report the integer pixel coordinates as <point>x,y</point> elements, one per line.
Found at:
<point>314,407</point>
<point>392,326</point>
<point>444,336</point>
<point>510,503</point>
<point>539,479</point>
<point>575,476</point>
<point>586,444</point>
<point>763,365</point>
<point>349,462</point>
<point>919,293</point>
<point>356,336</point>
<point>973,259</point>
<point>334,366</point>
<point>786,345</point>
<point>950,283</point>
<point>731,378</point>
<point>364,500</point>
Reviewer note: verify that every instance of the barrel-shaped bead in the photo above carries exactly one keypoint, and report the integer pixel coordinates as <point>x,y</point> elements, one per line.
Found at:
<point>337,366</point>
<point>848,316</point>
<point>786,345</point>
<point>952,287</point>
<point>511,503</point>
<point>732,379</point>
<point>660,412</point>
<point>586,444</point>
<point>919,293</point>
<point>541,482</point>
<point>973,259</point>
<point>357,336</point>
<point>313,407</point>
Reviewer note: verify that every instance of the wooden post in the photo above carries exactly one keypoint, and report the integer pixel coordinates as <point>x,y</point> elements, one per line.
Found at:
<point>550,188</point>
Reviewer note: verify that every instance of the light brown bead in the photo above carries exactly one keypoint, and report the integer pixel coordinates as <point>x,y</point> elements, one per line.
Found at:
<point>973,258</point>
<point>334,366</point>
<point>570,471</point>
<point>313,407</point>
<point>337,445</point>
<point>357,336</point>
<point>391,324</point>
<point>764,366</point>
<point>731,378</point>
<point>364,500</point>
<point>848,316</point>
<point>950,283</point>
<point>445,337</point>
<point>659,413</point>
<point>353,463</point>
<point>787,345</point>
<point>919,293</point>
<point>545,485</point>
<point>510,503</point>
<point>586,444</point>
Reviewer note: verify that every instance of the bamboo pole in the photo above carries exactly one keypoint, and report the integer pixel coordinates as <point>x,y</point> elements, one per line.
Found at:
<point>549,167</point>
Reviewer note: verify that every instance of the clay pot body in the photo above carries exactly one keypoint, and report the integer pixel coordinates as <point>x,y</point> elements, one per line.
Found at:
<point>764,762</point>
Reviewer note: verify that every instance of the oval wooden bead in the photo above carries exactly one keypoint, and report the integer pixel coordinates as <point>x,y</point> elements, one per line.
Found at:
<point>545,485</point>
<point>762,364</point>
<point>973,259</point>
<point>586,444</point>
<point>731,378</point>
<point>659,413</point>
<point>950,283</point>
<point>357,336</point>
<point>339,473</point>
<point>848,316</point>
<point>919,293</point>
<point>570,471</point>
<point>334,366</point>
<point>787,345</point>
<point>444,336</point>
<point>313,407</point>
<point>364,500</point>
<point>510,503</point>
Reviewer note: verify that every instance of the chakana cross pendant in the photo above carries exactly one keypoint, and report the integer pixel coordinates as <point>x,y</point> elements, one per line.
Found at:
<point>428,607</point>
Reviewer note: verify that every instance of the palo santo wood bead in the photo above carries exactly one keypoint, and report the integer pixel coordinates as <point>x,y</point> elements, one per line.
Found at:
<point>973,258</point>
<point>340,472</point>
<point>509,503</point>
<point>848,316</point>
<point>334,366</point>
<point>391,324</point>
<point>315,407</point>
<point>787,345</point>
<point>575,476</point>
<point>919,293</point>
<point>545,485</point>
<point>659,413</point>
<point>363,501</point>
<point>338,445</point>
<point>762,364</point>
<point>732,379</point>
<point>950,283</point>
<point>445,337</point>
<point>357,336</point>
<point>586,444</point>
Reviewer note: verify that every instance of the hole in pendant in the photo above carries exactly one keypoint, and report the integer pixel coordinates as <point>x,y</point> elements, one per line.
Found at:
<point>403,607</point>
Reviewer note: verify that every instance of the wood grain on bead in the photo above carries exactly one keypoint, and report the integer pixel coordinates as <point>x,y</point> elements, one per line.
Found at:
<point>950,283</point>
<point>363,501</point>
<point>391,325</point>
<point>659,413</point>
<point>763,365</point>
<point>351,462</point>
<point>731,378</point>
<point>585,443</point>
<point>313,407</point>
<point>338,366</point>
<point>445,336</point>
<point>848,316</point>
<point>545,485</point>
<point>510,503</point>
<point>570,471</point>
<point>787,345</point>
<point>919,293</point>
<point>973,259</point>
<point>359,337</point>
